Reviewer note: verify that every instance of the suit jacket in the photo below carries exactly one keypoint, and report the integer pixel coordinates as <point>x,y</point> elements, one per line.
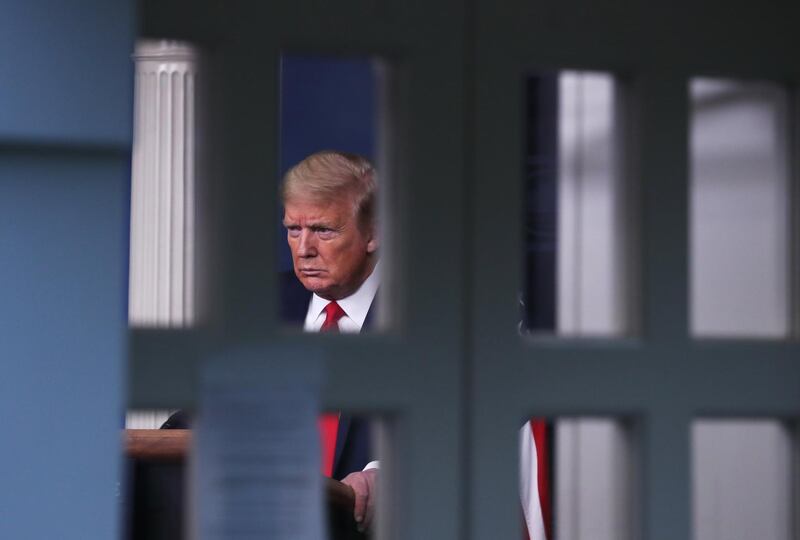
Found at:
<point>353,439</point>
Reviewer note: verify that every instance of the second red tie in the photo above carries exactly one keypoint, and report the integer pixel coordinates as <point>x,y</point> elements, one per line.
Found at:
<point>329,422</point>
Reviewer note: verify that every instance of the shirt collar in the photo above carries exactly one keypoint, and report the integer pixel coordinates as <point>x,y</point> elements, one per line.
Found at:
<point>356,306</point>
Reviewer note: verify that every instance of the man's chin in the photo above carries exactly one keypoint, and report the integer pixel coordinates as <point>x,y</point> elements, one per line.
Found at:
<point>315,284</point>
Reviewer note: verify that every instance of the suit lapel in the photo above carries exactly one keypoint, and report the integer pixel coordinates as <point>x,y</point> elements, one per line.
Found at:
<point>368,320</point>
<point>341,438</point>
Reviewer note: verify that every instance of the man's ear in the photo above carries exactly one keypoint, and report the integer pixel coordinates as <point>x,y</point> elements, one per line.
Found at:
<point>373,240</point>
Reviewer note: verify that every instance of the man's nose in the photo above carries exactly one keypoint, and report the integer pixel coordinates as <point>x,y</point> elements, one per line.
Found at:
<point>306,247</point>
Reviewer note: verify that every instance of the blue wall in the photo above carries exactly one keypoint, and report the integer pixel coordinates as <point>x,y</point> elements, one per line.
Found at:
<point>327,103</point>
<point>66,72</point>
<point>65,135</point>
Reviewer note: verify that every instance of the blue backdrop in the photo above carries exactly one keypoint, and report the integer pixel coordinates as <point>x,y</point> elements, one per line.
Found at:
<point>327,103</point>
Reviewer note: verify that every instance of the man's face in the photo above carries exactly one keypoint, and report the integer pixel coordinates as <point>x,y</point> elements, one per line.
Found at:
<point>330,252</point>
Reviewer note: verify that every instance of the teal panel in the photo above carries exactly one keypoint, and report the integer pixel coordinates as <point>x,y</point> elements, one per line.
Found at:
<point>66,75</point>
<point>62,342</point>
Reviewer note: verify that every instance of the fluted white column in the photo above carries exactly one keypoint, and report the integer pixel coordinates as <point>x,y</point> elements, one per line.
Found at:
<point>163,194</point>
<point>163,187</point>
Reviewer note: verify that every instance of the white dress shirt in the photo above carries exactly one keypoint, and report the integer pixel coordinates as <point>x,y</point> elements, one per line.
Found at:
<point>356,306</point>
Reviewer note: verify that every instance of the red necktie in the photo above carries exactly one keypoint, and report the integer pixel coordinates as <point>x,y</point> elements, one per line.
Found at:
<point>329,422</point>
<point>333,312</point>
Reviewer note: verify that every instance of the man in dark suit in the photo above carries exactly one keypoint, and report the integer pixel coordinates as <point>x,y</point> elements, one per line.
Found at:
<point>330,201</point>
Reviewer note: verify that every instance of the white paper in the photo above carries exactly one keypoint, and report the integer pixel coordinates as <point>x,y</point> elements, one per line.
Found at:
<point>256,456</point>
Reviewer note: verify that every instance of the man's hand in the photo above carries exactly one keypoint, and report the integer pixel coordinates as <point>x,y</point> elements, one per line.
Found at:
<point>365,486</point>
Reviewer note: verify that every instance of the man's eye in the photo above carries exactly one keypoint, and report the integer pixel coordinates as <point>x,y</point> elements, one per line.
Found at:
<point>325,233</point>
<point>293,231</point>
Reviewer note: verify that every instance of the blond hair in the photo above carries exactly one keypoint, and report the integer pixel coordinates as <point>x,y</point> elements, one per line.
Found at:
<point>330,175</point>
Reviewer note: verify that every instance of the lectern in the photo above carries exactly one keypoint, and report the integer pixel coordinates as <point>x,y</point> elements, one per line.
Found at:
<point>154,506</point>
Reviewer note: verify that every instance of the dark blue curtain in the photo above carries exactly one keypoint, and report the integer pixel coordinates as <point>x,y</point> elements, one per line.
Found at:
<point>540,200</point>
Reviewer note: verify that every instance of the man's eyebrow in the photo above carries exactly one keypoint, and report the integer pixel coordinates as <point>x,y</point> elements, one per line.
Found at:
<point>320,225</point>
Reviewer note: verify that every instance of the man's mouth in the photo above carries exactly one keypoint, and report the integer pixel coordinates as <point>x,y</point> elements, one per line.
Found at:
<point>311,272</point>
